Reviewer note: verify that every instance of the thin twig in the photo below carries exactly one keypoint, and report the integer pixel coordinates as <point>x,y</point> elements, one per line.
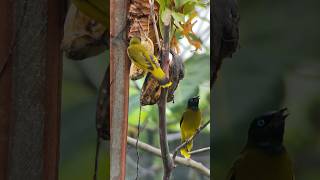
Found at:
<point>200,150</point>
<point>96,161</point>
<point>189,140</point>
<point>179,160</point>
<point>138,157</point>
<point>151,2</point>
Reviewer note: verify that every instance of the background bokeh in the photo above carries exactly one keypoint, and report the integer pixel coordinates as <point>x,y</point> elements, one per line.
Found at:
<point>277,65</point>
<point>81,80</point>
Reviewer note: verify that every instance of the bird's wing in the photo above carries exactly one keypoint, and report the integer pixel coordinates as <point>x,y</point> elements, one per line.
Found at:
<point>154,60</point>
<point>139,58</point>
<point>146,60</point>
<point>181,120</point>
<point>232,171</point>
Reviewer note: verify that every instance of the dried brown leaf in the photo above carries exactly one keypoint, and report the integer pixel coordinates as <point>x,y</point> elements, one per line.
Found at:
<point>83,37</point>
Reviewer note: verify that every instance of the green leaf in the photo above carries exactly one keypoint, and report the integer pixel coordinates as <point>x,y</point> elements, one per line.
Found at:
<point>162,4</point>
<point>179,17</point>
<point>178,25</point>
<point>180,3</point>
<point>188,8</point>
<point>178,34</point>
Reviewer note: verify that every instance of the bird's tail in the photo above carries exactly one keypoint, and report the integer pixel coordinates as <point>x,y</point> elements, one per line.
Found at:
<point>185,151</point>
<point>161,77</point>
<point>165,83</point>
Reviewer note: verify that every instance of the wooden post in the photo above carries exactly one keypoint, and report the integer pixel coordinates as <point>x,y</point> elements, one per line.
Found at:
<point>5,83</point>
<point>119,88</point>
<point>30,87</point>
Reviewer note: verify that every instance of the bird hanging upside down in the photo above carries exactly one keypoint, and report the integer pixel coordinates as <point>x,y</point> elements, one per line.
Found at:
<point>190,122</point>
<point>140,56</point>
<point>264,157</point>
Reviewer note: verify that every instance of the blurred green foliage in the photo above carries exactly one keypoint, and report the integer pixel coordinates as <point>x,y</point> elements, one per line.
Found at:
<point>277,65</point>
<point>81,80</point>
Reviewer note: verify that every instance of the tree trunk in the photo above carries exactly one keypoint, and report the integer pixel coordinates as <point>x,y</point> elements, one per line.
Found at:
<point>30,88</point>
<point>119,88</point>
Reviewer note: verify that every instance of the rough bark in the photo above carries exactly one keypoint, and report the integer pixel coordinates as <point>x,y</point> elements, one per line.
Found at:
<point>225,33</point>
<point>119,88</point>
<point>30,88</point>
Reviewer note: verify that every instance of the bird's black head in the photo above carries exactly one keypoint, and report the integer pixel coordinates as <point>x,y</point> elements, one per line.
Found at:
<point>267,131</point>
<point>193,103</point>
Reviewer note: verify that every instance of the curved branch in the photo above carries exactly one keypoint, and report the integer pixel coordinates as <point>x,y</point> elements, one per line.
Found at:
<point>179,160</point>
<point>200,150</point>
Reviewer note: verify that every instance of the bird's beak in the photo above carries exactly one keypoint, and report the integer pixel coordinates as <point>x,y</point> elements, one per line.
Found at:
<point>197,97</point>
<point>283,113</point>
<point>279,118</point>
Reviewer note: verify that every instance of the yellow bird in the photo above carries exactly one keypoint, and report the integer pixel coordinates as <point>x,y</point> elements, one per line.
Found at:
<point>264,157</point>
<point>190,122</point>
<point>139,55</point>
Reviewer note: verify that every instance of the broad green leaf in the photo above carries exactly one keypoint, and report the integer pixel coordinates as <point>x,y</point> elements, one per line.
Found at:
<point>180,3</point>
<point>179,17</point>
<point>188,8</point>
<point>162,4</point>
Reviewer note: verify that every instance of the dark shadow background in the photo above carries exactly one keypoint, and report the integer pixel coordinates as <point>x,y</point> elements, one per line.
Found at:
<point>277,65</point>
<point>81,80</point>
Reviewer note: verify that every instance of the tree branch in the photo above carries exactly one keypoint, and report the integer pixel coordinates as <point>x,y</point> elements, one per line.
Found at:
<point>154,22</point>
<point>200,150</point>
<point>179,160</point>
<point>166,158</point>
<point>189,140</point>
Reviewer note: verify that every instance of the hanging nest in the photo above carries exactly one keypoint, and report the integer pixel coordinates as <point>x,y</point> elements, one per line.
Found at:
<point>141,24</point>
<point>83,37</point>
<point>151,89</point>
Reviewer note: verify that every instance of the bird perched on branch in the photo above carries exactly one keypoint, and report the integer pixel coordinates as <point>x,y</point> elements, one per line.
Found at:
<point>140,56</point>
<point>264,157</point>
<point>190,122</point>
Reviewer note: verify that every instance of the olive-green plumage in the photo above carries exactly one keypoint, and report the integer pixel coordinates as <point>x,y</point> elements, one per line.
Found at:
<point>264,157</point>
<point>140,56</point>
<point>190,122</point>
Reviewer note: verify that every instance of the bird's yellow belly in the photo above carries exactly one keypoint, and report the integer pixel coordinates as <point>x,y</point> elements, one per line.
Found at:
<point>191,122</point>
<point>258,166</point>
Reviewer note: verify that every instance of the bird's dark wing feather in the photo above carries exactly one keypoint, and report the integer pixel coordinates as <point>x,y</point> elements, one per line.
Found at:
<point>232,177</point>
<point>232,171</point>
<point>181,120</point>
